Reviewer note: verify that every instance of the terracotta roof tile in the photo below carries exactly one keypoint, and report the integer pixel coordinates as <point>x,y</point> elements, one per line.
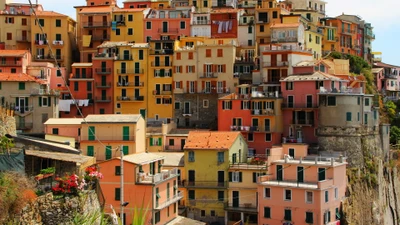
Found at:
<point>130,10</point>
<point>285,25</point>
<point>101,9</point>
<point>211,139</point>
<point>13,52</point>
<point>19,77</point>
<point>49,13</point>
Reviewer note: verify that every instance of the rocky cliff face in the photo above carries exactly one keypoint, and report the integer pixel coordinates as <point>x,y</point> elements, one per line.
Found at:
<point>7,122</point>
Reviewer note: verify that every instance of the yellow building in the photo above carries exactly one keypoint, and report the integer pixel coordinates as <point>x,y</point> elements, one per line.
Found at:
<point>159,4</point>
<point>127,25</point>
<point>159,87</point>
<point>207,156</point>
<point>130,80</point>
<point>330,40</point>
<point>59,32</point>
<point>15,31</point>
<point>114,131</point>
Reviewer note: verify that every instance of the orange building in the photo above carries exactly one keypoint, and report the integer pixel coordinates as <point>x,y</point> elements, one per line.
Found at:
<point>347,36</point>
<point>301,189</point>
<point>146,185</point>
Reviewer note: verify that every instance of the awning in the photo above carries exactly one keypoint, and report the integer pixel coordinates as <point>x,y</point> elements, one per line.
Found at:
<point>86,40</point>
<point>66,157</point>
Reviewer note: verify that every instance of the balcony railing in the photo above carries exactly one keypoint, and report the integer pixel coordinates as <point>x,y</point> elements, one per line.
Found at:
<point>244,206</point>
<point>174,148</point>
<point>124,57</point>
<point>266,112</point>
<point>58,43</point>
<point>272,48</point>
<point>292,105</point>
<point>23,109</point>
<point>100,37</point>
<point>209,75</point>
<point>271,64</point>
<point>161,52</point>
<point>158,92</point>
<point>348,32</point>
<point>130,84</point>
<point>309,122</point>
<point>130,98</point>
<point>168,31</point>
<point>144,178</point>
<point>10,63</point>
<point>103,85</point>
<point>24,126</point>
<point>178,196</point>
<point>23,39</point>
<point>285,39</point>
<point>81,76</point>
<point>206,184</point>
<point>48,57</point>
<point>103,70</point>
<point>130,71</point>
<point>201,22</point>
<point>103,99</point>
<point>96,24</point>
<point>157,64</point>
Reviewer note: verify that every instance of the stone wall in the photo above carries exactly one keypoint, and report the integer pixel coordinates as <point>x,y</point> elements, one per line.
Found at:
<point>7,122</point>
<point>44,210</point>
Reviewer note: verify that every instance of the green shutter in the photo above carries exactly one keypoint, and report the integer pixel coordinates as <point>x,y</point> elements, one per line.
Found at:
<point>125,134</point>
<point>117,194</point>
<point>125,150</point>
<point>108,152</point>
<point>151,141</point>
<point>159,142</point>
<point>90,150</point>
<point>40,101</point>
<point>167,190</point>
<point>348,116</point>
<point>91,133</point>
<point>16,101</point>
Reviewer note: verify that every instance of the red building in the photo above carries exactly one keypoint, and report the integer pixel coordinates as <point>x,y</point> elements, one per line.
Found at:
<point>103,68</point>
<point>137,4</point>
<point>256,114</point>
<point>224,23</point>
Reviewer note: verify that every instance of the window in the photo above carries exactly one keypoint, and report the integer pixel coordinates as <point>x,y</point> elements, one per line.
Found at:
<point>227,105</point>
<point>367,102</point>
<point>90,150</point>
<point>288,214</point>
<point>41,22</point>
<point>268,137</point>
<point>58,23</point>
<point>208,53</point>
<point>24,22</point>
<point>321,174</point>
<point>261,28</point>
<point>221,196</point>
<point>326,196</point>
<point>235,176</point>
<point>117,31</point>
<point>256,175</point>
<point>267,192</point>
<point>125,133</point>
<point>192,195</point>
<point>183,25</point>
<point>88,86</point>
<point>205,3</point>
<point>155,141</point>
<point>250,137</point>
<point>76,86</point>
<point>212,213</point>
<point>190,55</point>
<point>177,105</point>
<point>9,36</point>
<point>21,86</point>
<point>178,56</point>
<point>309,217</point>
<point>117,194</point>
<point>171,142</point>
<point>221,157</point>
<point>157,217</point>
<point>203,213</point>
<point>148,25</point>
<point>267,212</point>
<point>289,86</point>
<point>309,197</point>
<point>140,54</point>
<point>55,130</point>
<point>130,17</point>
<point>91,133</point>
<point>250,30</point>
<point>348,116</point>
<point>130,31</point>
<point>275,14</point>
<point>205,103</point>
<point>117,170</point>
<point>331,101</point>
<point>191,156</point>
<point>327,217</point>
<point>220,53</point>
<point>288,195</point>
<point>336,193</point>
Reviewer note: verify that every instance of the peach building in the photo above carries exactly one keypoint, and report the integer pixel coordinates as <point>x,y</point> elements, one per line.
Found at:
<point>146,184</point>
<point>63,129</point>
<point>302,189</point>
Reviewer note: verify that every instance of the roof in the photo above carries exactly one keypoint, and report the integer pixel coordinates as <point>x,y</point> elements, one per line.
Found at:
<point>376,70</point>
<point>177,131</point>
<point>13,52</point>
<point>46,144</point>
<point>381,64</point>
<point>67,157</point>
<point>180,220</point>
<point>99,9</point>
<point>315,76</point>
<point>130,10</point>
<point>142,158</point>
<point>211,139</point>
<point>113,118</point>
<point>64,121</point>
<point>285,25</point>
<point>19,77</point>
<point>82,64</point>
<point>307,63</point>
<point>107,44</point>
<point>224,10</point>
<point>173,158</point>
<point>49,13</point>
<point>229,97</point>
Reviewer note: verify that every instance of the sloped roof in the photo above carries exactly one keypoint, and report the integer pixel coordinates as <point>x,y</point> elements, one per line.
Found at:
<point>100,9</point>
<point>285,25</point>
<point>13,52</point>
<point>315,76</point>
<point>142,158</point>
<point>67,157</point>
<point>19,77</point>
<point>376,70</point>
<point>113,118</point>
<point>64,121</point>
<point>211,139</point>
<point>49,13</point>
<point>173,158</point>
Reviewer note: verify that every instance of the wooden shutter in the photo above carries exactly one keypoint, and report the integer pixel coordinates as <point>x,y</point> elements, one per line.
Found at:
<point>40,101</point>
<point>195,86</point>
<point>203,85</point>
<point>194,69</point>
<point>284,73</point>
<point>173,85</point>
<point>181,84</point>
<point>214,87</point>
<point>187,69</point>
<point>223,104</point>
<point>230,176</point>
<point>187,85</point>
<point>49,101</point>
<point>224,68</point>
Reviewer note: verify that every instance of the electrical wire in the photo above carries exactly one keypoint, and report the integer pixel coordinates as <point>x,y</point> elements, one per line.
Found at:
<point>33,10</point>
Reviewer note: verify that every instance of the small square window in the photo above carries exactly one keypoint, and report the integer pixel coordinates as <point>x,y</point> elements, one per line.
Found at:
<point>309,197</point>
<point>117,170</point>
<point>288,195</point>
<point>118,105</point>
<point>203,213</point>
<point>55,130</point>
<point>267,192</point>
<point>183,25</point>
<point>205,103</point>
<point>331,101</point>
<point>268,137</point>
<point>212,213</point>
<point>21,86</point>
<point>250,137</point>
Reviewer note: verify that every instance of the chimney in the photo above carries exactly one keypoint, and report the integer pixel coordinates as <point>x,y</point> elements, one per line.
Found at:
<point>316,160</point>
<point>332,161</point>
<point>341,158</point>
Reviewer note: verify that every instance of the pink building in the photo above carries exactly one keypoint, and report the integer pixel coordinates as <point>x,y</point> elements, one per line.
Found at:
<point>49,73</point>
<point>302,189</point>
<point>65,127</point>
<point>390,81</point>
<point>379,78</point>
<point>166,24</point>
<point>136,4</point>
<point>300,105</point>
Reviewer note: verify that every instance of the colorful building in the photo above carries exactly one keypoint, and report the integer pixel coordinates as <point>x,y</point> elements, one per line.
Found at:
<point>302,189</point>
<point>200,24</point>
<point>102,136</point>
<point>127,24</point>
<point>62,130</point>
<point>256,114</point>
<point>59,33</point>
<point>346,33</point>
<point>146,184</point>
<point>224,22</point>
<point>165,137</point>
<point>207,156</point>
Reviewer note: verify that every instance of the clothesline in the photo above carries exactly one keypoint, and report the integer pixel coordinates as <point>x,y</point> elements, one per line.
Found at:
<point>64,105</point>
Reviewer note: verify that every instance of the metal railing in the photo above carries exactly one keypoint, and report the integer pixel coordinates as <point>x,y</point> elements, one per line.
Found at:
<point>161,63</point>
<point>103,99</point>
<point>124,57</point>
<point>100,37</point>
<point>285,39</point>
<point>173,148</point>
<point>49,57</point>
<point>23,39</point>
<point>130,98</point>
<point>176,197</point>
<point>265,112</point>
<point>161,51</point>
<point>23,109</point>
<point>103,70</point>
<point>81,76</point>
<point>10,63</point>
<point>130,84</point>
<point>209,75</point>
<point>103,85</point>
<point>130,71</point>
<point>158,177</point>
<point>168,31</point>
<point>243,205</point>
<point>96,24</point>
<point>302,122</point>
<point>206,184</point>
<point>309,105</point>
<point>201,22</point>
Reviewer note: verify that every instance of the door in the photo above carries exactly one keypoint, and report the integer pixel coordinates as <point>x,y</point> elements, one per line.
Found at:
<point>123,67</point>
<point>166,61</point>
<point>235,198</point>
<point>309,101</point>
<point>103,81</point>
<point>187,108</point>
<point>103,67</point>
<point>22,105</point>
<point>157,61</point>
<point>183,142</point>
<point>126,54</point>
<point>103,95</point>
<point>267,124</point>
<point>273,59</point>
<point>158,89</point>
<point>90,20</point>
<point>165,27</point>
<point>234,158</point>
<point>104,20</point>
<point>279,172</point>
<point>137,83</point>
<point>191,177</point>
<point>221,178</point>
<point>291,152</point>
<point>137,68</point>
<point>24,35</point>
<point>299,136</point>
<point>137,94</point>
<point>300,174</point>
<point>123,92</point>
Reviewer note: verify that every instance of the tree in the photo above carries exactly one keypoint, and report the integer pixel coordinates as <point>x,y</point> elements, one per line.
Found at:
<point>391,109</point>
<point>5,144</point>
<point>394,134</point>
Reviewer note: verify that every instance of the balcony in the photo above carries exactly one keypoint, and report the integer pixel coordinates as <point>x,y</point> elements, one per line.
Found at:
<point>23,39</point>
<point>102,99</point>
<point>21,110</point>
<point>48,57</point>
<point>263,112</point>
<point>103,71</point>
<point>81,76</point>
<point>10,63</point>
<point>124,57</point>
<point>273,48</point>
<point>130,71</point>
<point>201,22</point>
<point>120,22</point>
<point>275,64</point>
<point>58,43</point>
<point>159,92</point>
<point>348,32</point>
<point>240,128</point>
<point>244,207</point>
<point>159,64</point>
<point>96,24</point>
<point>130,98</point>
<point>24,126</point>
<point>178,196</point>
<point>161,52</point>
<point>130,84</point>
<point>209,75</point>
<point>266,180</point>
<point>103,85</point>
<point>390,76</point>
<point>206,184</point>
<point>146,178</point>
<point>285,39</point>
<point>292,105</point>
<point>174,148</point>
<point>303,122</point>
<point>168,31</point>
<point>40,42</point>
<point>100,37</point>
